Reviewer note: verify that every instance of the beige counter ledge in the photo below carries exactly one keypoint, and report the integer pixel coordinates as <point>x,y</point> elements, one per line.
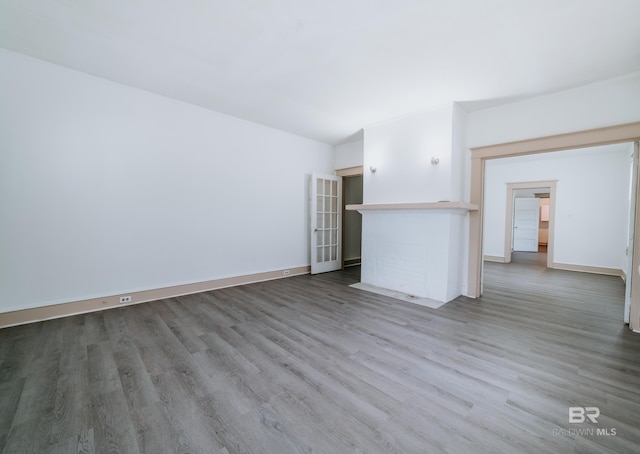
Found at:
<point>415,206</point>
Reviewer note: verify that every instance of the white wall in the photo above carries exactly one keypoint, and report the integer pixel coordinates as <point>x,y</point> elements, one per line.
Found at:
<point>608,103</point>
<point>460,191</point>
<point>106,189</point>
<point>401,151</point>
<point>592,202</point>
<point>460,155</point>
<point>416,252</point>
<point>348,154</point>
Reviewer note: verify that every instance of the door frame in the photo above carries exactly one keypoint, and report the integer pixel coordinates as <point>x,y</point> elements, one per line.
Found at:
<point>508,234</point>
<point>346,172</point>
<point>631,240</point>
<point>629,132</point>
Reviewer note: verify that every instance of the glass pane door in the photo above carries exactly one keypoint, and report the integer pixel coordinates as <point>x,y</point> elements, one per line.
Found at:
<point>326,223</point>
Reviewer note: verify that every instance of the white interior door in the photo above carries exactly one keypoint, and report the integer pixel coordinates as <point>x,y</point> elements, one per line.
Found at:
<point>526,221</point>
<point>326,223</point>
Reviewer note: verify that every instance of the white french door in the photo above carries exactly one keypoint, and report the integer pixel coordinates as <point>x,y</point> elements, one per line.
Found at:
<point>326,223</point>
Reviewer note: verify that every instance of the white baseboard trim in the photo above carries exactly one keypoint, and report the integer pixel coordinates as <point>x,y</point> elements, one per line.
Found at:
<point>37,314</point>
<point>588,269</point>
<point>493,258</point>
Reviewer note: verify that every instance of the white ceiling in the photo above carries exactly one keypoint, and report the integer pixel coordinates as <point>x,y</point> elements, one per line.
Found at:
<point>326,68</point>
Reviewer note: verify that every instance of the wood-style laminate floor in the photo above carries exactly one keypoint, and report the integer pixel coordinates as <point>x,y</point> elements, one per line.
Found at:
<point>307,364</point>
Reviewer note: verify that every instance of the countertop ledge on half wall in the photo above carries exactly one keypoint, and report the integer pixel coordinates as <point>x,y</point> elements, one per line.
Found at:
<point>444,205</point>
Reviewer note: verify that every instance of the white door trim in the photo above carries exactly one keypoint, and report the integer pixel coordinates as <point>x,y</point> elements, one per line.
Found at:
<point>633,250</point>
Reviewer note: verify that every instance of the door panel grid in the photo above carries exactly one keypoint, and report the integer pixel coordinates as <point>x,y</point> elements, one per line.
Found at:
<point>327,220</point>
<point>326,223</point>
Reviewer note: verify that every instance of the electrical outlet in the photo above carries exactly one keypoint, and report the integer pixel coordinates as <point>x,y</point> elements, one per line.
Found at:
<point>286,272</point>
<point>125,299</point>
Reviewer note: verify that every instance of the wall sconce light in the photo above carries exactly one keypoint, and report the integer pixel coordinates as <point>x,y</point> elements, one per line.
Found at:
<point>373,169</point>
<point>435,161</point>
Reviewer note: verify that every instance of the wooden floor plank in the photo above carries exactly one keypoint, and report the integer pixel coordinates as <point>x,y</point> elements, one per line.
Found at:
<point>308,364</point>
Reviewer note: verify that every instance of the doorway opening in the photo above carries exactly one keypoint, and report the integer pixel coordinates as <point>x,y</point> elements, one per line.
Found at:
<point>352,221</point>
<point>539,236</point>
<point>352,178</point>
<point>482,155</point>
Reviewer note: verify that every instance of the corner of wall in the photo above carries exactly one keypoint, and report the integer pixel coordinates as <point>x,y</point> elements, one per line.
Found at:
<point>461,156</point>
<point>349,154</point>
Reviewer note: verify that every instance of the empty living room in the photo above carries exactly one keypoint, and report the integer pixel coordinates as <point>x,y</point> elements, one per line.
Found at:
<point>337,227</point>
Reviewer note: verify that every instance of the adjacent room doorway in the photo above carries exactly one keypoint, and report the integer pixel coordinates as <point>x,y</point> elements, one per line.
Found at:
<point>608,135</point>
<point>537,190</point>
